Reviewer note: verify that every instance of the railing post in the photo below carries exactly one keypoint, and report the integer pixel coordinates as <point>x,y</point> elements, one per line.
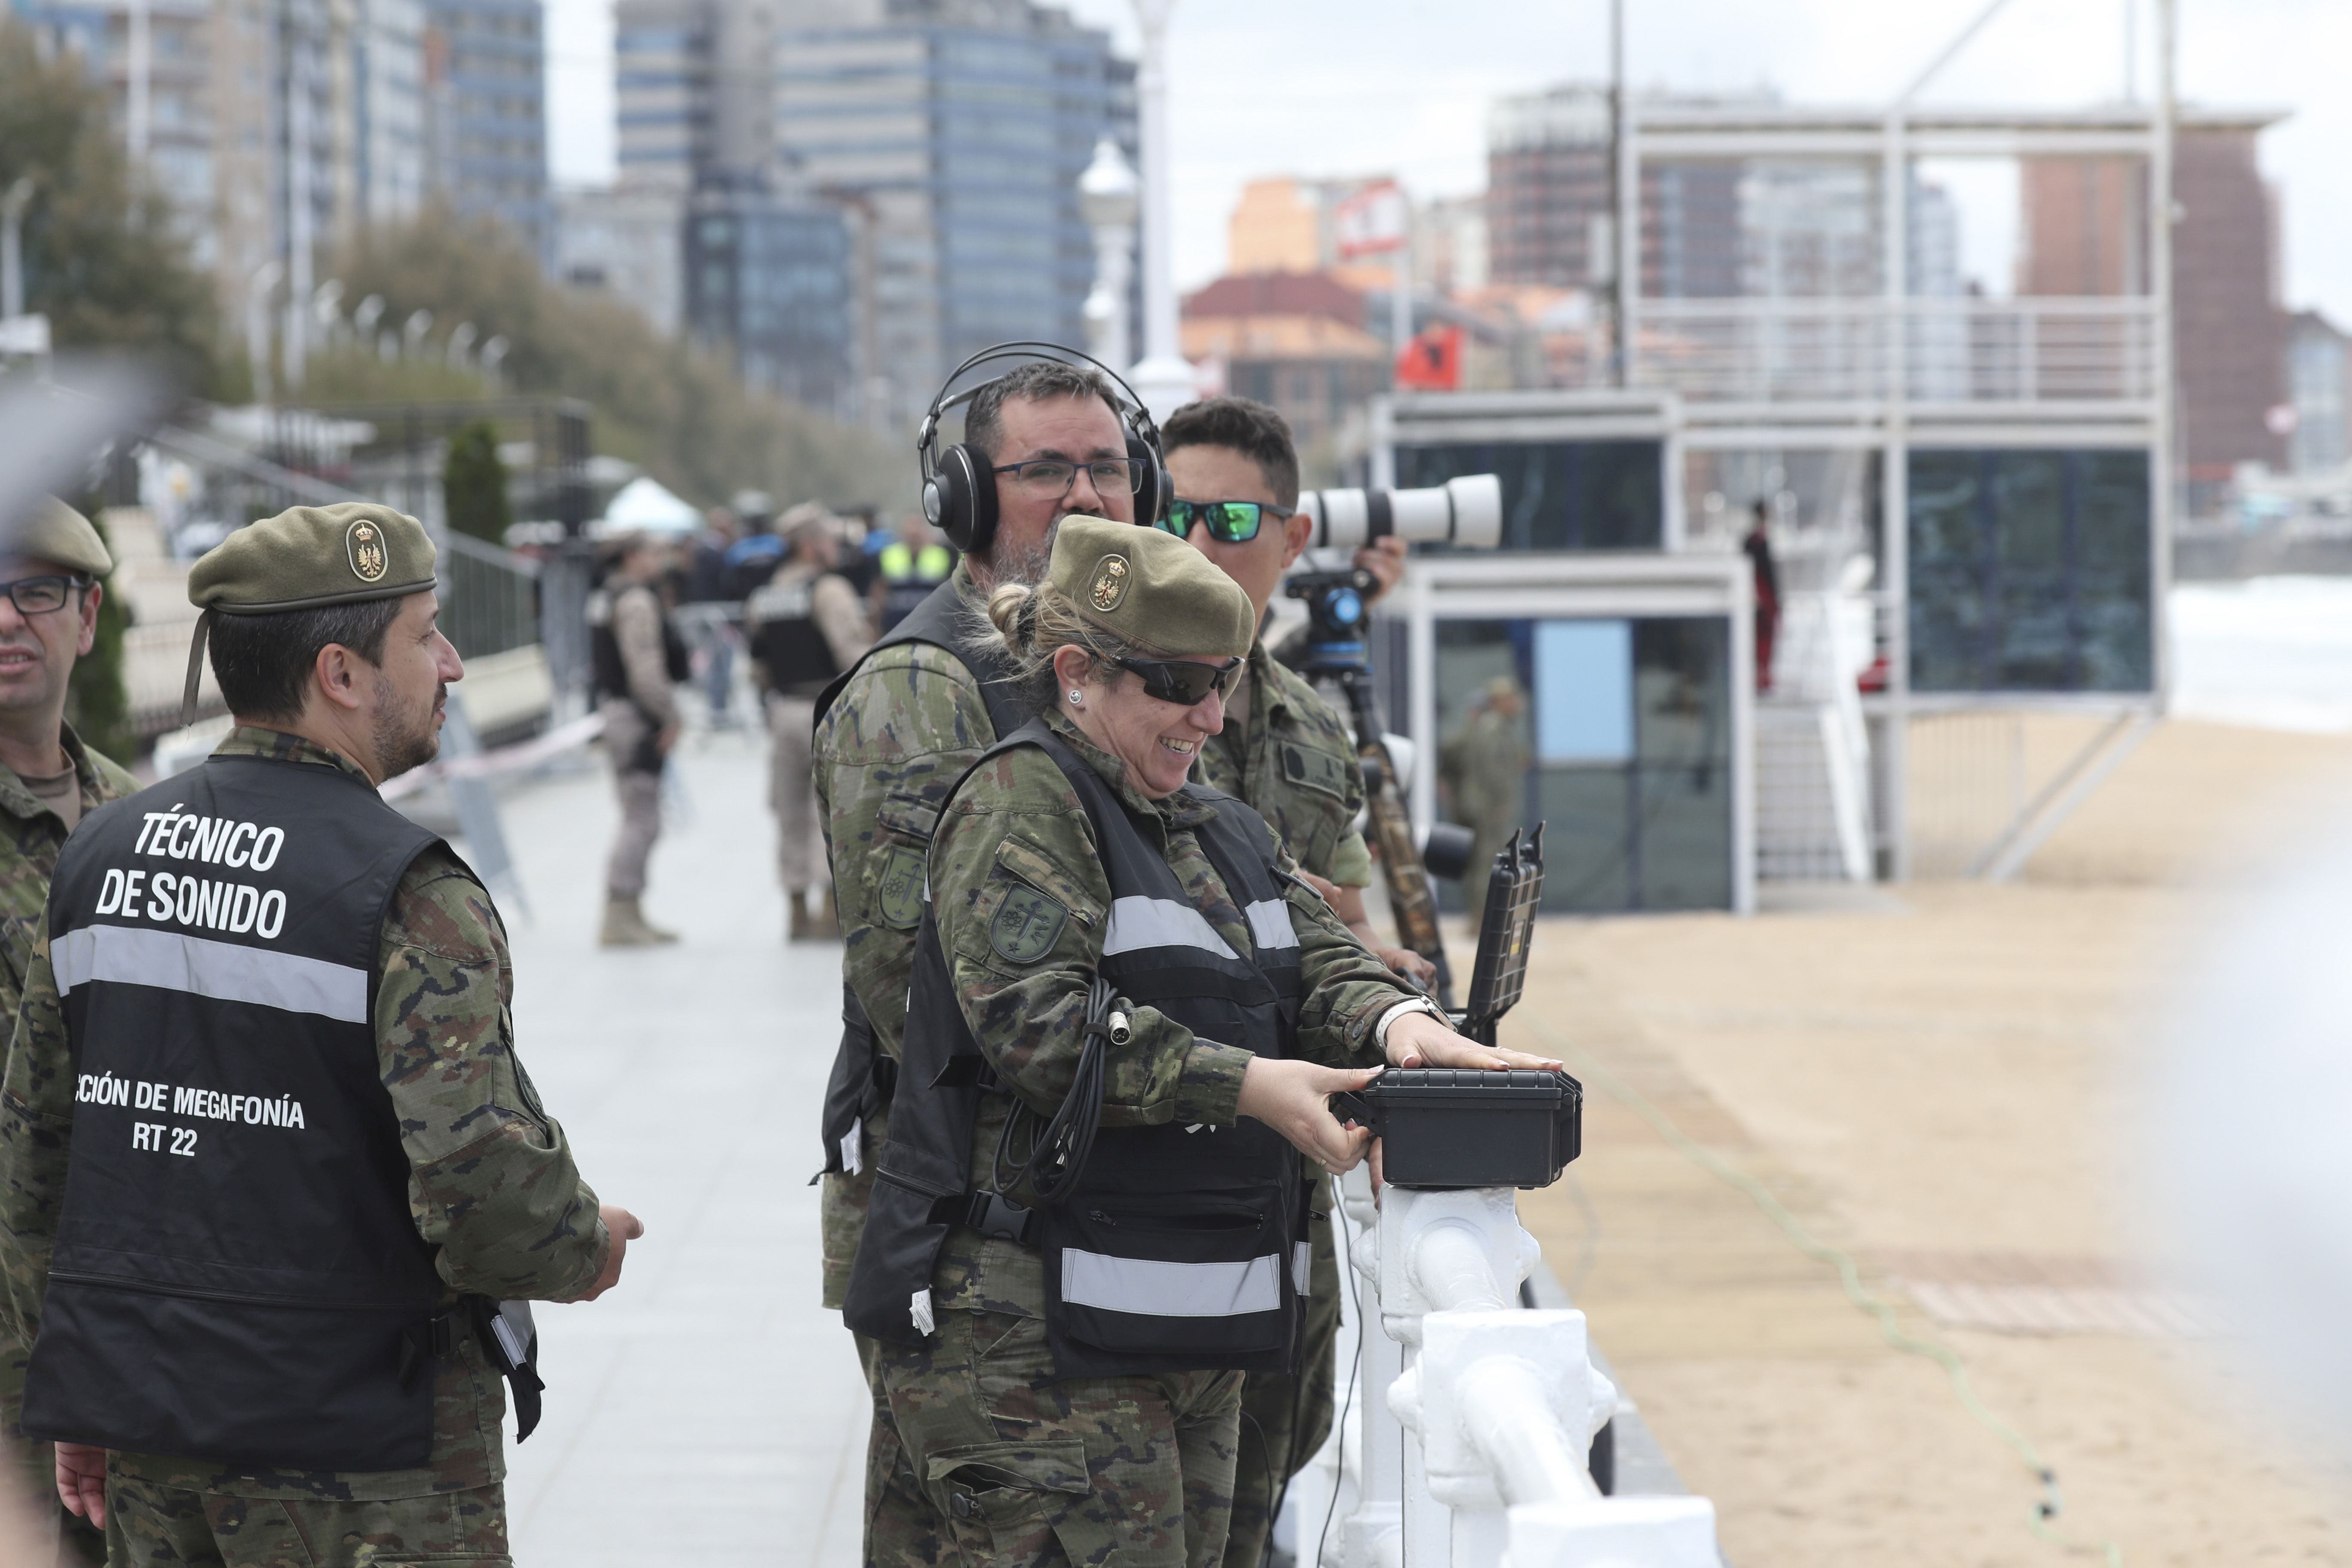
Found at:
<point>1502,1405</point>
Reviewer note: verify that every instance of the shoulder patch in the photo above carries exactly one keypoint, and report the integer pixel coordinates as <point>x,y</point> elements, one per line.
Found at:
<point>1026,924</point>
<point>1314,770</point>
<point>898,893</point>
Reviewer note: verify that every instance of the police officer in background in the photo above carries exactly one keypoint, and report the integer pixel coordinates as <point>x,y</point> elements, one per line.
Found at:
<point>907,569</point>
<point>639,660</point>
<point>269,1164</point>
<point>49,595</point>
<point>806,628</point>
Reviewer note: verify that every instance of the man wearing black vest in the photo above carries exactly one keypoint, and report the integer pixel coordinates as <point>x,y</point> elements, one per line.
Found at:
<point>275,1191</point>
<point>638,659</point>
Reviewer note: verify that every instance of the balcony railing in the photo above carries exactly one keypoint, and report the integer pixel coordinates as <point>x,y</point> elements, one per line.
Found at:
<point>1473,1416</point>
<point>1955,351</point>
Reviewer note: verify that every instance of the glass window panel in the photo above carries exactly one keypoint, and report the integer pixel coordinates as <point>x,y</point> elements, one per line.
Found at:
<point>1587,868</point>
<point>1562,495</point>
<point>1584,691</point>
<point>1683,837</point>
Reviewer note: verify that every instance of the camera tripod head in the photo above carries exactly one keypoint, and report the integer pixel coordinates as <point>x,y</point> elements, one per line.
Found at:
<point>1338,605</point>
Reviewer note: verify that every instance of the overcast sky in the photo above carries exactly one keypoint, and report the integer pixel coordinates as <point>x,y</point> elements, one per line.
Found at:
<point>1326,87</point>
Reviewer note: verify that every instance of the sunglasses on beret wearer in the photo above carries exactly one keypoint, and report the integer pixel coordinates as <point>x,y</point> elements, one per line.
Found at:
<point>1182,682</point>
<point>1228,521</point>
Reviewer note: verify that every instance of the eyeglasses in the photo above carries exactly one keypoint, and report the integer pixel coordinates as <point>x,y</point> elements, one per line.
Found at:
<point>40,595</point>
<point>1228,521</point>
<point>1180,681</point>
<point>1055,477</point>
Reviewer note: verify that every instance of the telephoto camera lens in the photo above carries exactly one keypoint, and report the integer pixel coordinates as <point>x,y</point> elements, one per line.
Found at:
<point>1465,512</point>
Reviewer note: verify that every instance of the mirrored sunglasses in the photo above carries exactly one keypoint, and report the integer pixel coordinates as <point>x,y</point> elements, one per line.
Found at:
<point>1228,521</point>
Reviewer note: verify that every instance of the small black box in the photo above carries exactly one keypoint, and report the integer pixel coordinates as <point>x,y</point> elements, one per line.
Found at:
<point>1444,1128</point>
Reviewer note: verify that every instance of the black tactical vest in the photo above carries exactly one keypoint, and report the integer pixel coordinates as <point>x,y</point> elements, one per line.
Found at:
<point>237,1275</point>
<point>861,1078</point>
<point>1180,1248</point>
<point>609,671</point>
<point>786,639</point>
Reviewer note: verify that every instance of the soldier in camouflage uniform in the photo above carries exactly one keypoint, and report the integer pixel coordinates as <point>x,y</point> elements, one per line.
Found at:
<point>490,1186</point>
<point>901,730</point>
<point>1030,1463</point>
<point>48,780</point>
<point>1235,474</point>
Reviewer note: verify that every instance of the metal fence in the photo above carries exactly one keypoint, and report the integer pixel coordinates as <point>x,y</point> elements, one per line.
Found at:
<point>1960,351</point>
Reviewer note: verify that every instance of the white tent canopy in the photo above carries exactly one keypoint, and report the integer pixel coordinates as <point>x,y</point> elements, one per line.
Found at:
<point>641,506</point>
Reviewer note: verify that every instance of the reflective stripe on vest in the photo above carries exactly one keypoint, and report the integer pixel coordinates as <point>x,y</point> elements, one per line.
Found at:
<point>226,972</point>
<point>1160,1290</point>
<point>1138,924</point>
<point>1269,923</point>
<point>1302,1260</point>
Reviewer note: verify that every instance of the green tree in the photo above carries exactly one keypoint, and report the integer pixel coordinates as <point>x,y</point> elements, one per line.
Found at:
<point>98,699</point>
<point>102,258</point>
<point>675,410</point>
<point>474,484</point>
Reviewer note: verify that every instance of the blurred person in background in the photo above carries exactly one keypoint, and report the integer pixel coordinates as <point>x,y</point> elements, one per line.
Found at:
<point>909,565</point>
<point>807,626</point>
<point>1288,755</point>
<point>639,660</point>
<point>706,583</point>
<point>758,552</point>
<point>1486,765</point>
<point>48,780</point>
<point>1757,548</point>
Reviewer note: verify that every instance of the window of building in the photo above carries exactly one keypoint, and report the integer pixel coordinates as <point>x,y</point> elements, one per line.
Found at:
<point>1627,726</point>
<point>1559,495</point>
<point>2028,571</point>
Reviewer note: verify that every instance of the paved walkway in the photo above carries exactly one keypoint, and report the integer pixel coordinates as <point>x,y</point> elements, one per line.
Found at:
<point>707,1410</point>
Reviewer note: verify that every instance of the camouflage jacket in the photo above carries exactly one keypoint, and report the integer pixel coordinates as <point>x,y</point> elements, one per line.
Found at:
<point>31,834</point>
<point>1292,758</point>
<point>1016,829</point>
<point>491,1183</point>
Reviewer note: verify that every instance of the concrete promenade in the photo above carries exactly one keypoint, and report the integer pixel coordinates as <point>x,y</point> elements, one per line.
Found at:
<point>708,1410</point>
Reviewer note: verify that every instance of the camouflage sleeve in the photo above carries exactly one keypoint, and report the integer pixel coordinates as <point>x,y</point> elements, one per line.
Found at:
<point>904,729</point>
<point>1345,989</point>
<point>36,1119</point>
<point>490,1177</point>
<point>1019,891</point>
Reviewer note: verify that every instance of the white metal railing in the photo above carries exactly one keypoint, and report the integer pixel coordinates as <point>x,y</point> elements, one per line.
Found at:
<point>1465,1438</point>
<point>2032,350</point>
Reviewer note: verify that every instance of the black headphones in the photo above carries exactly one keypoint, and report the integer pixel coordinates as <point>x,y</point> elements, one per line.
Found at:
<point>959,484</point>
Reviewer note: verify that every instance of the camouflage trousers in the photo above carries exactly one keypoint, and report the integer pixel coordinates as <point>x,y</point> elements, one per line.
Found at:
<point>1286,1416</point>
<point>1020,1468</point>
<point>628,738</point>
<point>148,1525</point>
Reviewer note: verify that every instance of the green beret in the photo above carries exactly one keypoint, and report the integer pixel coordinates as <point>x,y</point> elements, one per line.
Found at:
<point>1152,589</point>
<point>312,556</point>
<point>60,536</point>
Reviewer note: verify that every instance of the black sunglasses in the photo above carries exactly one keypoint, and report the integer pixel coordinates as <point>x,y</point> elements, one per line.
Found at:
<point>1228,521</point>
<point>1182,683</point>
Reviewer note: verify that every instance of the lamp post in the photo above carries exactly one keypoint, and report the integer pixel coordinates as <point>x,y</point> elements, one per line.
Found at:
<point>259,288</point>
<point>1162,378</point>
<point>12,246</point>
<point>1107,198</point>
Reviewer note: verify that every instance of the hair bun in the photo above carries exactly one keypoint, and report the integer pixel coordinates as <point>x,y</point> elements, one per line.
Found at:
<point>1004,611</point>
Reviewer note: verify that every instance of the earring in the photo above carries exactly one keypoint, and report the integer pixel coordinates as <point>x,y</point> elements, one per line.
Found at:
<point>1074,700</point>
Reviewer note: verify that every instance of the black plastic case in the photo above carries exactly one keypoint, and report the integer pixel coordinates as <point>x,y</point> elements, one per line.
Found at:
<point>1447,1128</point>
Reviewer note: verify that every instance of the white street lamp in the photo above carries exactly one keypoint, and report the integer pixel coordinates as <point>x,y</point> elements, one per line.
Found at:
<point>1107,198</point>
<point>259,288</point>
<point>1162,379</point>
<point>12,246</point>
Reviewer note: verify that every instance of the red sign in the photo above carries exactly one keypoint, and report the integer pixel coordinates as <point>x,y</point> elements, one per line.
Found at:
<point>1432,361</point>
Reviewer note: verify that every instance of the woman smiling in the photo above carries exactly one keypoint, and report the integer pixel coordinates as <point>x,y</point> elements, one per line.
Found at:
<point>1126,1010</point>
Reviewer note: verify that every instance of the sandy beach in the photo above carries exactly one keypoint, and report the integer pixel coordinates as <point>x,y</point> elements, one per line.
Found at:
<point>1939,1080</point>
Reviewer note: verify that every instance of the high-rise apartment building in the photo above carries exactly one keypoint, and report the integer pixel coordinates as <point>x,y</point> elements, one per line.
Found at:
<point>2086,233</point>
<point>485,62</point>
<point>763,259</point>
<point>275,127</point>
<point>957,129</point>
<point>2319,380</point>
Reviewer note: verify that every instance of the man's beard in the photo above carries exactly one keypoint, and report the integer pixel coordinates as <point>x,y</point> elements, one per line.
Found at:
<point>1027,566</point>
<point>405,740</point>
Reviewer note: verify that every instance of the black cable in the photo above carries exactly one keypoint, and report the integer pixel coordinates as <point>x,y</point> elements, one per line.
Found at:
<point>1057,1155</point>
<point>1265,1451</point>
<point>1339,1422</point>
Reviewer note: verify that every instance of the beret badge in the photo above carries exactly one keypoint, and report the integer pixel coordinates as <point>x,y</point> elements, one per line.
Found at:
<point>1110,584</point>
<point>363,541</point>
